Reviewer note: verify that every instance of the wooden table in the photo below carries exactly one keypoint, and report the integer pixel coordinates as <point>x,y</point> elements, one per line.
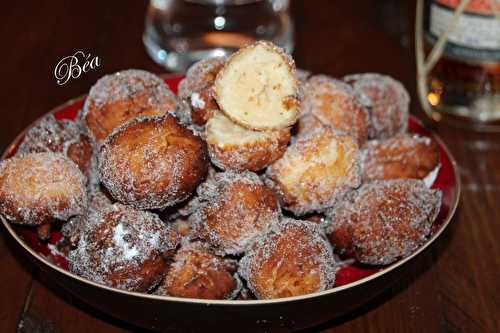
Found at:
<point>453,287</point>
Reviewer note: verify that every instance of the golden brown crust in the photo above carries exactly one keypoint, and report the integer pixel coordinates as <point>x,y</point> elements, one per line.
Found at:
<point>260,98</point>
<point>197,272</point>
<point>38,188</point>
<point>120,97</point>
<point>235,209</point>
<point>196,88</point>
<point>402,156</point>
<point>316,171</point>
<point>385,220</point>
<point>152,162</point>
<point>232,147</point>
<point>277,267</point>
<point>334,103</point>
<point>305,124</point>
<point>80,151</point>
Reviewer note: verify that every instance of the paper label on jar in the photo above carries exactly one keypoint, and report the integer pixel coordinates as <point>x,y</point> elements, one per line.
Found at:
<point>475,36</point>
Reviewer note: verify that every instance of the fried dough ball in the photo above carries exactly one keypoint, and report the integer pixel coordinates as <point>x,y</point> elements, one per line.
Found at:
<point>122,96</point>
<point>152,163</point>
<point>98,199</point>
<point>123,248</point>
<point>258,88</point>
<point>402,156</point>
<point>233,147</point>
<point>293,259</point>
<point>317,170</point>
<point>235,208</point>
<point>389,102</point>
<point>197,272</point>
<point>59,136</point>
<point>385,220</point>
<point>39,188</point>
<point>305,124</point>
<point>196,88</point>
<point>334,103</point>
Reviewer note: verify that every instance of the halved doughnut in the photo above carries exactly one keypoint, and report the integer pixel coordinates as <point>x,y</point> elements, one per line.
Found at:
<point>258,87</point>
<point>233,147</point>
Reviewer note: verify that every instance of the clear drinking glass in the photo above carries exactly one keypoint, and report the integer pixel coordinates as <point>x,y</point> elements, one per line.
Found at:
<point>181,32</point>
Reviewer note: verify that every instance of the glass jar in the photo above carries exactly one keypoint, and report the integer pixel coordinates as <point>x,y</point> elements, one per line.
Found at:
<point>460,83</point>
<point>181,32</point>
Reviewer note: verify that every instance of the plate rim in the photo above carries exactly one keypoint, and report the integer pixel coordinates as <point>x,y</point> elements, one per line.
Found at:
<point>41,259</point>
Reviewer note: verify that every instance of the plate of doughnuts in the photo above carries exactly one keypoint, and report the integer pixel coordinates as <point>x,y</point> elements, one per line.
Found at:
<point>238,193</point>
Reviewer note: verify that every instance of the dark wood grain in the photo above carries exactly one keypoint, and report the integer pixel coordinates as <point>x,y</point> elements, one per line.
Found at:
<point>452,287</point>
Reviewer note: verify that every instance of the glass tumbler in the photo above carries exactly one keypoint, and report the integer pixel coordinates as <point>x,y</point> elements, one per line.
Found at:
<point>181,32</point>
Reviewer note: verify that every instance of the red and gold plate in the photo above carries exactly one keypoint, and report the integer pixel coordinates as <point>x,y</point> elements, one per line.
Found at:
<point>355,283</point>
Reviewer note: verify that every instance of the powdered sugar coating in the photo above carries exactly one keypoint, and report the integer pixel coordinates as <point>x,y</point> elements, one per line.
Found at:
<point>200,76</point>
<point>292,259</point>
<point>389,101</point>
<point>233,147</point>
<point>196,88</point>
<point>39,188</point>
<point>335,103</point>
<point>98,199</point>
<point>385,220</point>
<point>235,208</point>
<point>401,156</point>
<point>123,248</point>
<point>152,162</point>
<point>305,124</point>
<point>316,171</point>
<point>122,96</point>
<point>59,136</point>
<point>197,272</point>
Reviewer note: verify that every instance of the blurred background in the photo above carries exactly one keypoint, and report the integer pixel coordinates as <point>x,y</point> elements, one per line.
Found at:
<point>452,287</point>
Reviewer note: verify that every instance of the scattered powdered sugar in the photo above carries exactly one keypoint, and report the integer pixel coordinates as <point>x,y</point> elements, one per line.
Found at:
<point>119,244</point>
<point>119,235</point>
<point>39,188</point>
<point>297,249</point>
<point>234,209</point>
<point>196,101</point>
<point>385,220</point>
<point>389,102</point>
